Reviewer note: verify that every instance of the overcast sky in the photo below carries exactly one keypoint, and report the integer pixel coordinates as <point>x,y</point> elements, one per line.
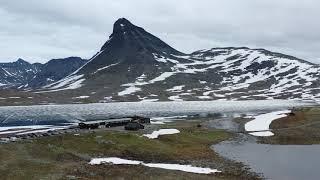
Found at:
<point>39,30</point>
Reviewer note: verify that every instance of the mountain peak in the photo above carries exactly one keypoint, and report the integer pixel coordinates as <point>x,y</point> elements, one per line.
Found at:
<point>21,61</point>
<point>127,37</point>
<point>122,22</point>
<point>121,26</point>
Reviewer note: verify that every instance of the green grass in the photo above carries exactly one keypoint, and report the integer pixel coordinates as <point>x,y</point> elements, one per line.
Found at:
<point>68,155</point>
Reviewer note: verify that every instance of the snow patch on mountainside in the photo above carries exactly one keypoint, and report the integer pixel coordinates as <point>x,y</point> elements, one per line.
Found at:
<point>106,67</point>
<point>129,90</point>
<point>68,83</point>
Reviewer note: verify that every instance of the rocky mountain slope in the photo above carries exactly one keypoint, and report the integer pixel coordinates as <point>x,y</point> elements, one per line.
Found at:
<point>23,75</point>
<point>134,65</point>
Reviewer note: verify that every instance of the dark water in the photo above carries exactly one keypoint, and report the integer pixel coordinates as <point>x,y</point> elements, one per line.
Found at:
<point>284,162</point>
<point>57,114</point>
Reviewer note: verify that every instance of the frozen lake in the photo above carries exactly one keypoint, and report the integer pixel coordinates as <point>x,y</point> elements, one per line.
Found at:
<point>56,114</point>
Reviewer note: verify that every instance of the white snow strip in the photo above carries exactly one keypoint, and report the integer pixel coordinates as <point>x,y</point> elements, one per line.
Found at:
<point>156,134</point>
<point>65,82</point>
<point>168,119</point>
<point>262,123</point>
<point>177,167</point>
<point>149,100</point>
<point>44,130</point>
<point>82,97</point>
<point>11,132</point>
<point>70,82</point>
<point>184,168</point>
<point>162,77</point>
<point>106,67</point>
<point>175,98</point>
<point>262,134</point>
<point>14,97</point>
<point>7,72</point>
<point>30,129</point>
<point>129,90</point>
<point>98,54</point>
<point>156,122</point>
<point>176,88</point>
<point>204,97</point>
<point>25,127</point>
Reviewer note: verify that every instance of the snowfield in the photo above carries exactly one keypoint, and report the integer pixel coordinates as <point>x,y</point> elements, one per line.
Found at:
<point>156,134</point>
<point>242,68</point>
<point>260,125</point>
<point>129,90</point>
<point>177,167</point>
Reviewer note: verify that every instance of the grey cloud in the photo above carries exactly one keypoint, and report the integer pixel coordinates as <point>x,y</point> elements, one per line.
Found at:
<point>41,30</point>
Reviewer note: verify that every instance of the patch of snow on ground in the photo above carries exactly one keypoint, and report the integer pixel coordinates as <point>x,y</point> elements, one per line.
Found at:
<point>156,134</point>
<point>14,97</point>
<point>177,167</point>
<point>262,122</point>
<point>262,133</point>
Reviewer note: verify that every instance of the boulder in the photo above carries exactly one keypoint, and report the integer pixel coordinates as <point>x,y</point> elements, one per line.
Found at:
<point>133,126</point>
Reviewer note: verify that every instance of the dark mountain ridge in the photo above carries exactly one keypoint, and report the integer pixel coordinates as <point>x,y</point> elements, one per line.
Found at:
<point>24,75</point>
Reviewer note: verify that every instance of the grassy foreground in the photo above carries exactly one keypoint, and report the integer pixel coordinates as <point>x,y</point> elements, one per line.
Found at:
<point>67,156</point>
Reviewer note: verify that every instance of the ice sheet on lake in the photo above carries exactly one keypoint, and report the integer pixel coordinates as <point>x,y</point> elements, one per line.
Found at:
<point>74,113</point>
<point>20,130</point>
<point>178,167</point>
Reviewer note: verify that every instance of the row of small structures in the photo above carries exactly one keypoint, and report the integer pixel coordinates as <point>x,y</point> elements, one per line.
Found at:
<point>130,123</point>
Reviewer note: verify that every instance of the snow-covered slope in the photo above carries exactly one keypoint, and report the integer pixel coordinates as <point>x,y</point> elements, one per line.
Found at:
<point>17,74</point>
<point>134,65</point>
